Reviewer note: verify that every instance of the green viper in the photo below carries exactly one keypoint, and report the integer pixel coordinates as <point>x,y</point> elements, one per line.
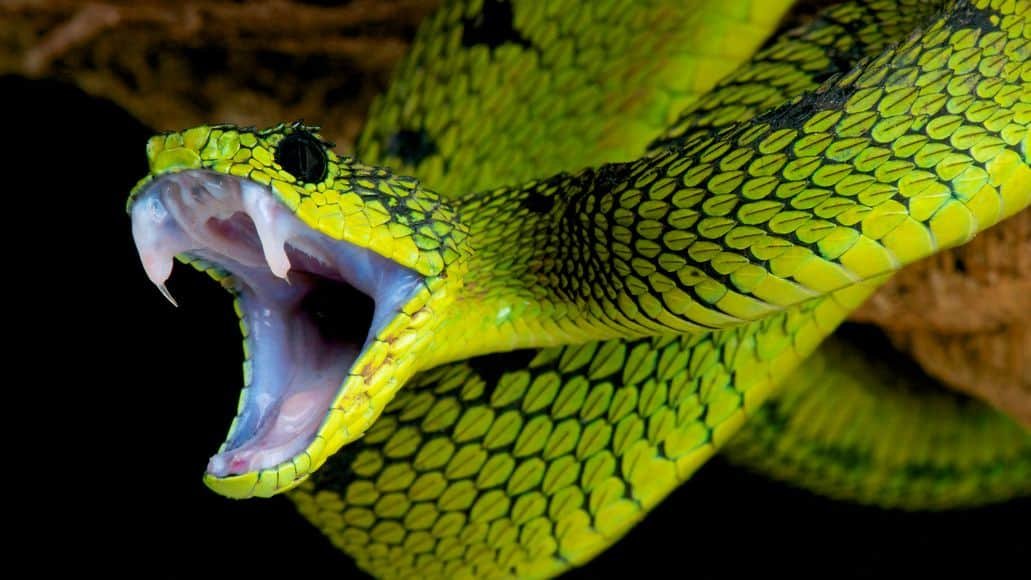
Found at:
<point>737,203</point>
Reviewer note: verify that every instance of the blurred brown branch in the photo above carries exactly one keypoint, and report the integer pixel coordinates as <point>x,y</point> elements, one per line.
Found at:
<point>964,314</point>
<point>177,63</point>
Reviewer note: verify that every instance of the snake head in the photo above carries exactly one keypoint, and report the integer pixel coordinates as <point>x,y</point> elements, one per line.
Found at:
<point>337,271</point>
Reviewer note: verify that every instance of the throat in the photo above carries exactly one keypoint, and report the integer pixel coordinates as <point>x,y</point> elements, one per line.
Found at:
<point>338,312</point>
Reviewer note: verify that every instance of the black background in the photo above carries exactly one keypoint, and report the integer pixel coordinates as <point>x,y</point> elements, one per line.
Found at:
<point>137,394</point>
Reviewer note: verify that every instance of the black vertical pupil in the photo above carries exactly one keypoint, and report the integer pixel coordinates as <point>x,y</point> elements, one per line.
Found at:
<point>302,156</point>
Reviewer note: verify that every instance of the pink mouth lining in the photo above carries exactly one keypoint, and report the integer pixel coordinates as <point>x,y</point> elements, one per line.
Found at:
<point>309,303</point>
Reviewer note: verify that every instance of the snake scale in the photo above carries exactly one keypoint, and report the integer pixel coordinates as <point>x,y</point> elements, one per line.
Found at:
<point>615,239</point>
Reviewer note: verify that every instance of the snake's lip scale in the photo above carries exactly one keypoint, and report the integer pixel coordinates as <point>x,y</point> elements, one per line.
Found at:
<point>309,304</point>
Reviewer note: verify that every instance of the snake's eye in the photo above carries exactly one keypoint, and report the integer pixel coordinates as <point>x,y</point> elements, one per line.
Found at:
<point>302,156</point>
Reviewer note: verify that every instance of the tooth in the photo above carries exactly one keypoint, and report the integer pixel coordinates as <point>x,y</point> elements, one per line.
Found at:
<point>164,291</point>
<point>158,266</point>
<point>273,231</point>
<point>158,239</point>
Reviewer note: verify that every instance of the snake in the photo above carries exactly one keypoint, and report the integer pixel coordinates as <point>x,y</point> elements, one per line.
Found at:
<point>580,248</point>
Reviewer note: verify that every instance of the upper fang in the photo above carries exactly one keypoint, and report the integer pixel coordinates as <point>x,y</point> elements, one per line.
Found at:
<point>264,212</point>
<point>158,239</point>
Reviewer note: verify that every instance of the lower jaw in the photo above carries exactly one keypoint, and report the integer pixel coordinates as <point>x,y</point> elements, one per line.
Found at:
<point>300,354</point>
<point>367,383</point>
<point>265,483</point>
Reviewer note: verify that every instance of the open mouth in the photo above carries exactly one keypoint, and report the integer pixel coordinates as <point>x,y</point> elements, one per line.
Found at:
<point>310,304</point>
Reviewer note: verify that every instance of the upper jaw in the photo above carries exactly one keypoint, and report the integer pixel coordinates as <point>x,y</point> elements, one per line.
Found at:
<point>306,395</point>
<point>171,215</point>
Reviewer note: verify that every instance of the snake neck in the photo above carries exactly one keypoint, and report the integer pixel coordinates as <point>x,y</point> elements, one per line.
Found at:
<point>912,153</point>
<point>538,274</point>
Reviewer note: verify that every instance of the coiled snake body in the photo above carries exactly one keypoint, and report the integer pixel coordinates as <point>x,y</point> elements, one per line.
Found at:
<point>739,202</point>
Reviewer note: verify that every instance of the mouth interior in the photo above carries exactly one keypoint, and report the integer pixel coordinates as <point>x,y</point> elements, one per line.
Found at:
<point>310,304</point>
